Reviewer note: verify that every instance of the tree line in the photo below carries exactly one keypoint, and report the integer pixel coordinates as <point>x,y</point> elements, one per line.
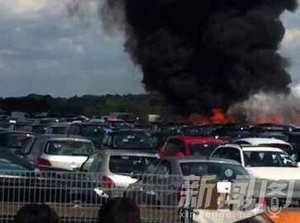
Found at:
<point>89,105</point>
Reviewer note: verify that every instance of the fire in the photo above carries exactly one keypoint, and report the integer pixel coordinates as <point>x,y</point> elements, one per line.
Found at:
<point>218,117</point>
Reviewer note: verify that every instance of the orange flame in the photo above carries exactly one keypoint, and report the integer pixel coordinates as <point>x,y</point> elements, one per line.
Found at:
<point>218,117</point>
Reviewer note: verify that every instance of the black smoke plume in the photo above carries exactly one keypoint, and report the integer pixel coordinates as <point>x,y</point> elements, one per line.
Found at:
<point>201,54</point>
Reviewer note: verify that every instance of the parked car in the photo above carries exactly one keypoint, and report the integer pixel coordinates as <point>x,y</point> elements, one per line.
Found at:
<point>39,128</point>
<point>162,182</point>
<point>294,140</point>
<point>200,130</point>
<point>14,141</point>
<point>190,145</point>
<point>58,128</point>
<point>117,167</point>
<point>131,139</point>
<point>59,151</point>
<point>233,130</point>
<point>92,131</point>
<point>260,161</point>
<point>269,142</point>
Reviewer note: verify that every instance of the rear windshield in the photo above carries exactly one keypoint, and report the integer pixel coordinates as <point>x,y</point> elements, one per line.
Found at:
<point>69,148</point>
<point>92,131</point>
<point>129,164</point>
<point>222,171</point>
<point>133,140</point>
<point>58,130</point>
<point>202,149</point>
<point>268,159</point>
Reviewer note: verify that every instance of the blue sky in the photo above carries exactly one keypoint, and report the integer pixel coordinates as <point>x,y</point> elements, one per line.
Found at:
<point>44,50</point>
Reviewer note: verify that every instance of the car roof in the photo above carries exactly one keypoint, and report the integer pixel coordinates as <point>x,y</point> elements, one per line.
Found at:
<point>63,137</point>
<point>126,152</point>
<point>200,159</point>
<point>198,139</point>
<point>261,148</point>
<point>257,141</point>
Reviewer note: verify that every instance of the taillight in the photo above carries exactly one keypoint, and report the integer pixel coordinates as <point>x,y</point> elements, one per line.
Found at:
<point>43,162</point>
<point>108,182</point>
<point>180,194</point>
<point>262,202</point>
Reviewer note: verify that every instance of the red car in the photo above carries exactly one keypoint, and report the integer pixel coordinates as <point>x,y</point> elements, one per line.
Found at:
<point>190,145</point>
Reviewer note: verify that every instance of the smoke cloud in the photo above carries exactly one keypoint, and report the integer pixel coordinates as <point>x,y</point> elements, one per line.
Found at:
<point>272,107</point>
<point>206,54</point>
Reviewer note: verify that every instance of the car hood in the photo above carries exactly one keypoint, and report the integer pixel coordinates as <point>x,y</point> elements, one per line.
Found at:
<point>275,173</point>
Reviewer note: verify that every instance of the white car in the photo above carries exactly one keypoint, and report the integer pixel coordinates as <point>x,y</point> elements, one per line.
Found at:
<point>268,142</point>
<point>58,152</point>
<point>117,169</point>
<point>260,161</point>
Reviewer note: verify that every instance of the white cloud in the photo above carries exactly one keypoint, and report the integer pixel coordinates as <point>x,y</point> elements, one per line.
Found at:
<point>292,37</point>
<point>66,45</point>
<point>23,6</point>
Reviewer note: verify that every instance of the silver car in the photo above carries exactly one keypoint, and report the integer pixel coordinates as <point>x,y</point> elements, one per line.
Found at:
<point>161,184</point>
<point>117,168</point>
<point>59,152</point>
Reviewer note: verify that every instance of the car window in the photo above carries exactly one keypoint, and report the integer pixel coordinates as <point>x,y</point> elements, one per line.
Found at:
<point>222,171</point>
<point>37,146</point>
<point>92,131</point>
<point>174,146</point>
<point>228,153</point>
<point>127,164</point>
<point>268,159</point>
<point>69,148</point>
<point>164,168</point>
<point>132,140</point>
<point>202,149</point>
<point>151,169</point>
<point>92,164</point>
<point>74,130</point>
<point>105,140</point>
<point>58,130</point>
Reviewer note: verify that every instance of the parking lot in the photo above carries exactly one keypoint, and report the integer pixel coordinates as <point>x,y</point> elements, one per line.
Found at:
<point>173,172</point>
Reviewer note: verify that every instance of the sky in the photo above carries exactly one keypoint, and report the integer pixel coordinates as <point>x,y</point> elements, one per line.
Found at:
<point>46,50</point>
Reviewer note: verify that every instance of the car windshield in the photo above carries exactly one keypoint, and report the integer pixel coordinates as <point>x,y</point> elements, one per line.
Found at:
<point>268,159</point>
<point>133,140</point>
<point>129,164</point>
<point>221,171</point>
<point>69,148</point>
<point>203,149</point>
